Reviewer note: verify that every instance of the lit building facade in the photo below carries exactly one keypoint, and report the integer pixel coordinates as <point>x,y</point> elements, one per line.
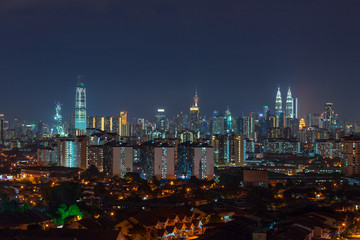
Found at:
<point>72,152</point>
<point>95,156</point>
<point>218,126</point>
<point>157,159</point>
<point>229,149</point>
<point>278,109</point>
<point>118,159</point>
<point>111,124</point>
<point>330,148</point>
<point>350,162</point>
<point>47,155</point>
<point>195,114</point>
<point>59,128</point>
<point>282,146</point>
<point>195,159</point>
<point>289,110</point>
<point>228,121</point>
<point>328,115</point>
<point>160,120</point>
<point>80,107</point>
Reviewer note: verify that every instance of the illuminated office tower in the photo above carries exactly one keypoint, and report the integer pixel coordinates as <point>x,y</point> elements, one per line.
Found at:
<point>239,125</point>
<point>229,149</point>
<point>59,129</point>
<point>195,159</point>
<point>328,115</point>
<point>123,115</point>
<point>289,111</point>
<point>160,120</point>
<point>302,124</point>
<point>249,126</point>
<point>195,115</point>
<point>218,123</point>
<point>80,107</point>
<point>228,120</point>
<point>266,112</point>
<point>278,108</point>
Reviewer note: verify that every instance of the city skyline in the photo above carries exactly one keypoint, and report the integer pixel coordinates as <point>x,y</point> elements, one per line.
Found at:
<point>156,52</point>
<point>171,113</point>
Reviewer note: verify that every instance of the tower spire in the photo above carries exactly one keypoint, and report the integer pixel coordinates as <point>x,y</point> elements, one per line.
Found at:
<point>196,99</point>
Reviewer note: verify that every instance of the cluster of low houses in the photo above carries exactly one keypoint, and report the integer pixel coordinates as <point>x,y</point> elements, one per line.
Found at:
<point>277,225</point>
<point>183,222</point>
<point>159,224</point>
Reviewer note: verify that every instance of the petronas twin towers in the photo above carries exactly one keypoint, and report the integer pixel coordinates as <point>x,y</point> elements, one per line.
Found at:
<point>290,108</point>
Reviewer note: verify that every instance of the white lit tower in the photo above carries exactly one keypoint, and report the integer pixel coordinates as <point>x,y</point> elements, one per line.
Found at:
<point>80,107</point>
<point>58,120</point>
<point>278,108</point>
<point>289,111</point>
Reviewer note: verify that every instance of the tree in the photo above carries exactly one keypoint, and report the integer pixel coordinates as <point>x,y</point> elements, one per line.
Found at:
<point>92,173</point>
<point>66,193</point>
<point>63,213</point>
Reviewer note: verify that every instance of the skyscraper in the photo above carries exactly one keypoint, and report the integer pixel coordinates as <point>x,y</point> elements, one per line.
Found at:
<point>289,111</point>
<point>195,114</point>
<point>123,115</point>
<point>80,107</point>
<point>328,115</point>
<point>295,107</point>
<point>278,108</point>
<point>59,129</point>
<point>218,123</point>
<point>160,120</point>
<point>228,120</point>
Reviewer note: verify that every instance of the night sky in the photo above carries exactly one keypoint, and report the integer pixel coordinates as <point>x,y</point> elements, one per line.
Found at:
<point>140,55</point>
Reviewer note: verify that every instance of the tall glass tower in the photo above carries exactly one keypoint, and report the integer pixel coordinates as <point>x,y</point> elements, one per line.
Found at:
<point>289,111</point>
<point>278,108</point>
<point>59,129</point>
<point>80,107</point>
<point>194,114</point>
<point>228,120</point>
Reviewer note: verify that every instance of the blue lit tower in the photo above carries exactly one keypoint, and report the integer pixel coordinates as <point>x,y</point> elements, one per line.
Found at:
<point>59,129</point>
<point>228,120</point>
<point>278,108</point>
<point>80,107</point>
